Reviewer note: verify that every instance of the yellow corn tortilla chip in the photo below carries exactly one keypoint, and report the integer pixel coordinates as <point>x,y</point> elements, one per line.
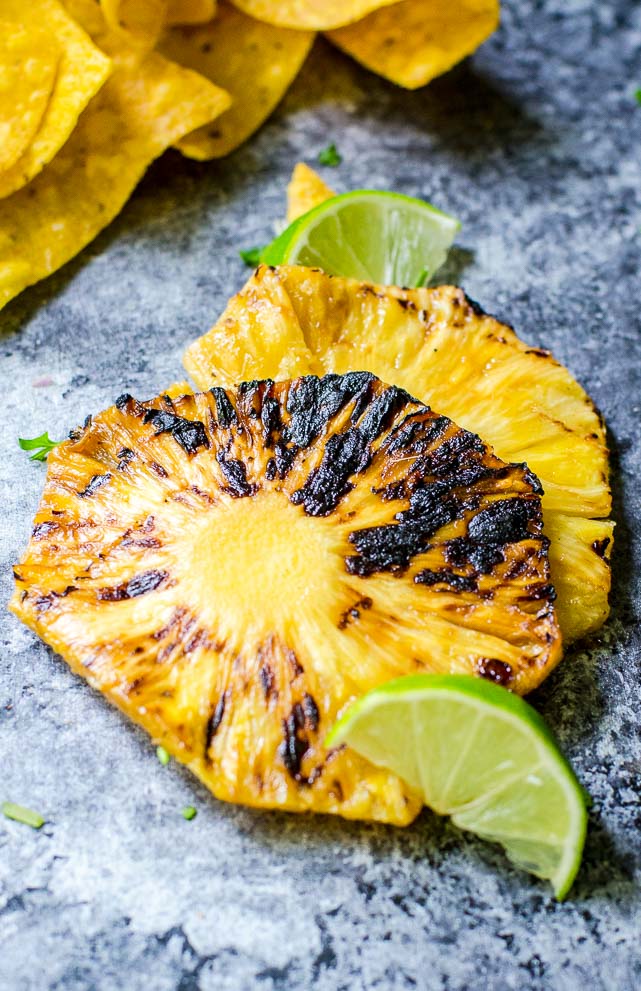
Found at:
<point>139,21</point>
<point>254,62</point>
<point>28,64</point>
<point>309,15</point>
<point>190,11</point>
<point>145,106</point>
<point>414,41</point>
<point>82,70</point>
<point>305,190</point>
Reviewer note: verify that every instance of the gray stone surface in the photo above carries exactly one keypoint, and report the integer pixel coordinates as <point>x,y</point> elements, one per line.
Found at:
<point>535,144</point>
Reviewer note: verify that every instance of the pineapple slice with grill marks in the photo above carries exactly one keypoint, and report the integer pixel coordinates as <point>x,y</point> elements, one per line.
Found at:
<point>231,568</point>
<point>440,346</point>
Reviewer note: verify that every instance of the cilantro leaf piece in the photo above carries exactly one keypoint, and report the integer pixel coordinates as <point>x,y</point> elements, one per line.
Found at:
<point>21,814</point>
<point>330,156</point>
<point>41,446</point>
<point>163,756</point>
<point>637,95</point>
<point>251,256</point>
<point>189,812</point>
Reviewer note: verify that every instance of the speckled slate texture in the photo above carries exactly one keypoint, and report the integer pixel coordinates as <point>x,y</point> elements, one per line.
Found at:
<point>536,145</point>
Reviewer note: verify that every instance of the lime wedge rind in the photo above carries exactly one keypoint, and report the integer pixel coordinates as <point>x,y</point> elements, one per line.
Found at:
<point>539,816</point>
<point>372,235</point>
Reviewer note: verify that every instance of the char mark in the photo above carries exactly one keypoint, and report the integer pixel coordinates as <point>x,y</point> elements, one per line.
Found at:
<point>506,521</point>
<point>415,436</point>
<point>312,402</point>
<point>295,743</point>
<point>345,454</point>
<point>190,434</point>
<point>235,474</point>
<point>224,408</point>
<point>94,484</point>
<point>214,721</point>
<point>353,614</point>
<point>459,583</point>
<point>146,581</point>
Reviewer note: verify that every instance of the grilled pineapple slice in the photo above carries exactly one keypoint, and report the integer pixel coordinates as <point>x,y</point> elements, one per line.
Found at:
<point>232,568</point>
<point>441,347</point>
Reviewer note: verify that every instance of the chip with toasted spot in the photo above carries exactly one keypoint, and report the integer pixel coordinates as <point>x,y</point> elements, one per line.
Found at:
<point>139,21</point>
<point>305,190</point>
<point>146,106</point>
<point>413,42</point>
<point>190,11</point>
<point>254,62</point>
<point>82,70</point>
<point>28,63</point>
<point>309,14</point>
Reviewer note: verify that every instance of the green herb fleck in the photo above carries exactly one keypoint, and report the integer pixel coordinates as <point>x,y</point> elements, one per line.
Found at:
<point>251,256</point>
<point>637,95</point>
<point>162,756</point>
<point>189,812</point>
<point>39,445</point>
<point>423,278</point>
<point>20,814</point>
<point>330,156</point>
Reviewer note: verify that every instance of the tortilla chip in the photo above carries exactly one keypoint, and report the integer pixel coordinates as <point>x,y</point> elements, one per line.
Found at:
<point>146,105</point>
<point>412,42</point>
<point>305,190</point>
<point>28,63</point>
<point>254,62</point>
<point>82,70</point>
<point>138,21</point>
<point>310,14</point>
<point>190,11</point>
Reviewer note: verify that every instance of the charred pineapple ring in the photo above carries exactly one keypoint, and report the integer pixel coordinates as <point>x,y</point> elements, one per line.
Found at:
<point>443,348</point>
<point>231,568</point>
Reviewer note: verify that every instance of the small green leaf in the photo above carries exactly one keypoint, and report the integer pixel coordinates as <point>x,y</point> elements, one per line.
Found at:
<point>423,279</point>
<point>330,156</point>
<point>251,256</point>
<point>41,446</point>
<point>637,96</point>
<point>189,812</point>
<point>163,756</point>
<point>21,814</point>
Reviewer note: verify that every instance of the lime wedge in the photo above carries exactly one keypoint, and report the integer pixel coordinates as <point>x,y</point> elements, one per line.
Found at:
<point>373,236</point>
<point>482,756</point>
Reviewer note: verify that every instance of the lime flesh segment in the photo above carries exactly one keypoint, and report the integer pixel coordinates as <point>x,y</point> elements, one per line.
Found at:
<point>483,756</point>
<point>369,235</point>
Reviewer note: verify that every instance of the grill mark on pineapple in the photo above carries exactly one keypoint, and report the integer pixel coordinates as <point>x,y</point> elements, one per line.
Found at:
<point>600,546</point>
<point>312,402</point>
<point>94,483</point>
<point>216,718</point>
<point>224,408</point>
<point>460,583</point>
<point>345,454</point>
<point>42,530</point>
<point>267,681</point>
<point>190,434</point>
<point>125,457</point>
<point>235,474</point>
<point>146,581</point>
<point>353,614</point>
<point>415,436</point>
<point>158,469</point>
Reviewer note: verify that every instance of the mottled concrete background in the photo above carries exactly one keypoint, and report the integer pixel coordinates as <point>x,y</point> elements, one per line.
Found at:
<point>536,145</point>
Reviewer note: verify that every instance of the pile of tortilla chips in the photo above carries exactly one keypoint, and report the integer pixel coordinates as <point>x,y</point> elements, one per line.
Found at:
<point>92,91</point>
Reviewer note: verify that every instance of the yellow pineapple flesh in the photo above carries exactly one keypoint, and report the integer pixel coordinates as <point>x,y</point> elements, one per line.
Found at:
<point>232,568</point>
<point>442,348</point>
